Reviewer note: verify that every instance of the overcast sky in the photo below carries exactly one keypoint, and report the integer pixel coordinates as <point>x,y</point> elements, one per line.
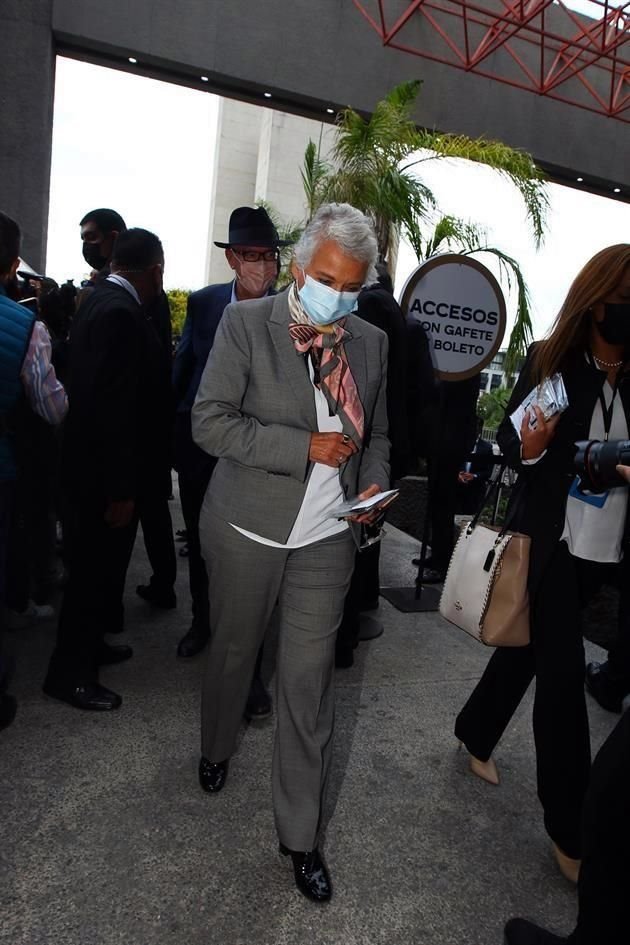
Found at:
<point>159,178</point>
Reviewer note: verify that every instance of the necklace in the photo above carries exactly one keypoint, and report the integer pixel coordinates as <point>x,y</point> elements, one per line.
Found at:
<point>608,364</point>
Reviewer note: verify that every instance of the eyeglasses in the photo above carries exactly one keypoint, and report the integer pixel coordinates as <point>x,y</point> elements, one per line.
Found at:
<point>250,255</point>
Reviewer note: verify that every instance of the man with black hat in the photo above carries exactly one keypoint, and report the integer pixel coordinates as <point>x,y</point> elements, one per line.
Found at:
<point>252,252</point>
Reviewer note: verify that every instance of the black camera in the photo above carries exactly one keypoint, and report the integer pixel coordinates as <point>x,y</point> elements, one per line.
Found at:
<point>595,462</point>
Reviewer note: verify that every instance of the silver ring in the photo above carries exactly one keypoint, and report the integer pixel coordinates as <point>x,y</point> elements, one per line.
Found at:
<point>340,459</point>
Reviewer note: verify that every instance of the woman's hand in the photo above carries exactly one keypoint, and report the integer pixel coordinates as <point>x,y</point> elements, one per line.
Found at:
<point>537,441</point>
<point>369,517</point>
<point>331,449</point>
<point>624,472</point>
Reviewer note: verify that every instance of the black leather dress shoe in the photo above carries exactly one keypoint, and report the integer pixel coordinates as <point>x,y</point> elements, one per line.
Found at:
<point>311,875</point>
<point>110,655</point>
<point>91,696</point>
<point>213,775</point>
<point>164,598</point>
<point>433,576</point>
<point>8,708</point>
<point>192,643</point>
<point>606,691</point>
<point>258,701</point>
<point>522,932</point>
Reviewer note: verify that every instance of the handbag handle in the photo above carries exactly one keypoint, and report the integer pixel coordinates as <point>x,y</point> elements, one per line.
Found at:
<point>493,486</point>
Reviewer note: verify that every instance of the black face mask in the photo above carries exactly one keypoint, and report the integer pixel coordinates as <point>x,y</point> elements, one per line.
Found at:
<point>615,326</point>
<point>93,257</point>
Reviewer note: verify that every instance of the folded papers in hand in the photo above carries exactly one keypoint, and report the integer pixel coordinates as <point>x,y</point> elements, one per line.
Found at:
<point>358,506</point>
<point>550,396</point>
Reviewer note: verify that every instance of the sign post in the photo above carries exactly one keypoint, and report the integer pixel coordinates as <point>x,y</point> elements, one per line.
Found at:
<point>461,307</point>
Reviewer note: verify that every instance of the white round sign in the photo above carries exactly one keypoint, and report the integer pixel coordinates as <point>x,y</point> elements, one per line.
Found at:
<point>460,305</point>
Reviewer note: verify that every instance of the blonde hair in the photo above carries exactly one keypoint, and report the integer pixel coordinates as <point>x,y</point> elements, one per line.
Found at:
<point>571,330</point>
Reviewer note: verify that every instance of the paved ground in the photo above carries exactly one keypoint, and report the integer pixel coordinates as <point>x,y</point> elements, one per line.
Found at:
<point>107,838</point>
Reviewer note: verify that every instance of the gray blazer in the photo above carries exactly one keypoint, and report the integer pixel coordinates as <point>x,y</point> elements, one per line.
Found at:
<point>255,411</point>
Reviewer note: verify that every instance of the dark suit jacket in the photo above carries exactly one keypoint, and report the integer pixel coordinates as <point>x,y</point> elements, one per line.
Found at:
<point>542,489</point>
<point>255,410</point>
<point>203,314</point>
<point>115,438</point>
<point>379,307</point>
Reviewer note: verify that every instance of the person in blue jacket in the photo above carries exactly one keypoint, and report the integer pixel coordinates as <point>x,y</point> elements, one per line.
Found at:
<point>252,252</point>
<point>25,371</point>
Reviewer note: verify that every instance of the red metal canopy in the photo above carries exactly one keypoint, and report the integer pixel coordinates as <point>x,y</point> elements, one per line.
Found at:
<point>543,46</point>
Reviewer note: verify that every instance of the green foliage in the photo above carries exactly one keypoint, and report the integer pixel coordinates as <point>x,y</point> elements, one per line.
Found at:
<point>286,231</point>
<point>491,407</point>
<point>177,300</point>
<point>375,168</point>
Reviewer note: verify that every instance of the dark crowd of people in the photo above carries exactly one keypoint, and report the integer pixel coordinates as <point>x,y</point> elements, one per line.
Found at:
<point>275,408</point>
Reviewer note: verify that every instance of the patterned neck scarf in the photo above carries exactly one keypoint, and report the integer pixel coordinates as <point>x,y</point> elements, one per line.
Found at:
<point>332,374</point>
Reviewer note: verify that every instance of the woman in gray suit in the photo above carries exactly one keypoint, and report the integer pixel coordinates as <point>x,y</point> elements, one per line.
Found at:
<point>292,402</point>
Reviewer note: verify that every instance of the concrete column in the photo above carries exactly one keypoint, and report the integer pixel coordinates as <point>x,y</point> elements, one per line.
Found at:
<point>234,176</point>
<point>259,156</point>
<point>27,77</point>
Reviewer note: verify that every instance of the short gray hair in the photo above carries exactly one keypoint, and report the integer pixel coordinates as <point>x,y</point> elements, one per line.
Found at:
<point>346,226</point>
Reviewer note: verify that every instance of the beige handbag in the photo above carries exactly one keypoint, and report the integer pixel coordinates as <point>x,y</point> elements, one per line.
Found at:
<point>485,591</point>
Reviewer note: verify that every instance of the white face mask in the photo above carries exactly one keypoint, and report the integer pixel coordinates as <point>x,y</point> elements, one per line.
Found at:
<point>324,305</point>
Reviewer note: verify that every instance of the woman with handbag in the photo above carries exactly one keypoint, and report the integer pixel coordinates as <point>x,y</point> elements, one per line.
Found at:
<point>576,542</point>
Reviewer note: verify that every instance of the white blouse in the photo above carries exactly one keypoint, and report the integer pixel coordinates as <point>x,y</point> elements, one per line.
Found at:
<point>592,533</point>
<point>323,491</point>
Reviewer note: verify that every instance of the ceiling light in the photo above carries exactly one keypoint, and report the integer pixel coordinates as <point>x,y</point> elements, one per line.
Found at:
<point>617,190</point>
<point>267,94</point>
<point>331,111</point>
<point>132,60</point>
<point>579,179</point>
<point>204,78</point>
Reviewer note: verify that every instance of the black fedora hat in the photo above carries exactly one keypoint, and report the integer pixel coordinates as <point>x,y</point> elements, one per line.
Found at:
<point>251,226</point>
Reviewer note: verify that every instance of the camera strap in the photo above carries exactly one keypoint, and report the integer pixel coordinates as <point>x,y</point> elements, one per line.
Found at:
<point>607,411</point>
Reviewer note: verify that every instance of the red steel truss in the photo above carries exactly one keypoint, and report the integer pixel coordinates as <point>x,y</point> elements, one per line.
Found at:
<point>543,46</point>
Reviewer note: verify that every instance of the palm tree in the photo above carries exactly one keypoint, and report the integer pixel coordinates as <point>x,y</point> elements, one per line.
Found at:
<point>375,164</point>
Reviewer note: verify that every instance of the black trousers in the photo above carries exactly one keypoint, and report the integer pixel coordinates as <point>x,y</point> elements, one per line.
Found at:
<point>363,593</point>
<point>556,659</point>
<point>97,558</point>
<point>192,489</point>
<point>443,472</point>
<point>157,530</point>
<point>604,913</point>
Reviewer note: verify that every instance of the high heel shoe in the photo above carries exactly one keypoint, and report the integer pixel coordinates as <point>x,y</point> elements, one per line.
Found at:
<point>486,770</point>
<point>569,867</point>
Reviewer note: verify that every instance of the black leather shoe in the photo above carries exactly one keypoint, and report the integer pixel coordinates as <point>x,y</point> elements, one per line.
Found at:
<point>522,932</point>
<point>258,701</point>
<point>311,875</point>
<point>192,643</point>
<point>213,775</point>
<point>433,576</point>
<point>164,598</point>
<point>110,655</point>
<point>606,691</point>
<point>8,708</point>
<point>91,696</point>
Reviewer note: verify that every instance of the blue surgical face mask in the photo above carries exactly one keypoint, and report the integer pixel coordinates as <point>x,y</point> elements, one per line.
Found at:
<point>324,305</point>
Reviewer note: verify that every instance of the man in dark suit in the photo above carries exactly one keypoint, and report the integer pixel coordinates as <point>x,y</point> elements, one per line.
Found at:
<point>114,447</point>
<point>99,230</point>
<point>377,305</point>
<point>252,254</point>
<point>473,479</point>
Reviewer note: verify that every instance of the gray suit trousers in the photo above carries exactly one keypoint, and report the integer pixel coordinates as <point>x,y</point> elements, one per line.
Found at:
<point>310,584</point>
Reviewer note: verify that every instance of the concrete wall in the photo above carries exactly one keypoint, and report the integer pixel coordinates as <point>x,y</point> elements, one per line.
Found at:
<point>259,155</point>
<point>27,70</point>
<point>309,55</point>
